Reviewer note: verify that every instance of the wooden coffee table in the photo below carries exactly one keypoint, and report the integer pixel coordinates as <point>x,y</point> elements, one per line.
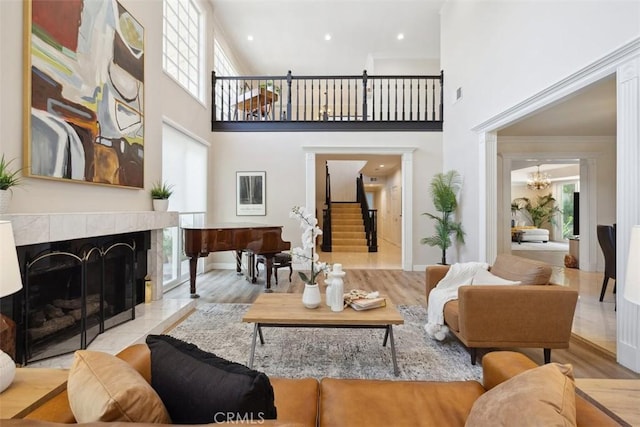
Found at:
<point>286,311</point>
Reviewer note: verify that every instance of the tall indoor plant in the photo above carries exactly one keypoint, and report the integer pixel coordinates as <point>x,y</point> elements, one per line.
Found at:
<point>543,212</point>
<point>444,190</point>
<point>8,179</point>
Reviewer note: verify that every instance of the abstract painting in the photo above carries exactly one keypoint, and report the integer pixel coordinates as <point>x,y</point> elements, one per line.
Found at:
<point>84,92</point>
<point>251,193</point>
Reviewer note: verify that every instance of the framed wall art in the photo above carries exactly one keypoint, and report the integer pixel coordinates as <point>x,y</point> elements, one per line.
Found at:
<point>251,193</point>
<point>84,92</point>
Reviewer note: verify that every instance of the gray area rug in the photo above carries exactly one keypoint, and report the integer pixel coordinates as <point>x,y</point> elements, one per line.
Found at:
<point>336,353</point>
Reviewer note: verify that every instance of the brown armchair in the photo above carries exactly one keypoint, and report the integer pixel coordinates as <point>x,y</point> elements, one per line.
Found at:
<point>535,314</point>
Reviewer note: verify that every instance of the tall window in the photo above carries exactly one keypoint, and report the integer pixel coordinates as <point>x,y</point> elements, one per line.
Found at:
<point>182,44</point>
<point>223,67</point>
<point>189,196</point>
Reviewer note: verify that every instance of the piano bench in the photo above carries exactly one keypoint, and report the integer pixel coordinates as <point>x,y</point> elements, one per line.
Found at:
<point>280,260</point>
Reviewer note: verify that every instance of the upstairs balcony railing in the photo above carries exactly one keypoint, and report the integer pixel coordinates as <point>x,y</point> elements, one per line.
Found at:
<point>324,103</point>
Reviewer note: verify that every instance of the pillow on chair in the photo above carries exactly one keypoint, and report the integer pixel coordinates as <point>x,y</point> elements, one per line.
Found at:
<point>527,271</point>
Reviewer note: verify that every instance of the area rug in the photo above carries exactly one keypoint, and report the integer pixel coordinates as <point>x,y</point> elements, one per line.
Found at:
<point>336,353</point>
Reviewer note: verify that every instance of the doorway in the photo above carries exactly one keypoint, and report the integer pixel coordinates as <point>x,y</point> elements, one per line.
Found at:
<point>402,256</point>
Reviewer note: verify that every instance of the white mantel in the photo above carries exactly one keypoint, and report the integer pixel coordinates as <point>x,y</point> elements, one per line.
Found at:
<point>30,229</point>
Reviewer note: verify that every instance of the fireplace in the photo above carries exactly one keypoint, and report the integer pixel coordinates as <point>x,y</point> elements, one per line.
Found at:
<point>76,289</point>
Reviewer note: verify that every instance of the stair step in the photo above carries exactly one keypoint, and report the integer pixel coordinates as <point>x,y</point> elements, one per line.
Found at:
<point>348,228</point>
<point>345,221</point>
<point>340,248</point>
<point>348,234</point>
<point>348,242</point>
<point>347,215</point>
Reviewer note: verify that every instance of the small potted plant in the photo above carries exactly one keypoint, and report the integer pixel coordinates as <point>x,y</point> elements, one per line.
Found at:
<point>8,178</point>
<point>160,193</point>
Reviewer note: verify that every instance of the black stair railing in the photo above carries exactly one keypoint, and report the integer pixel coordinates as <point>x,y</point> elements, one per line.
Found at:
<point>326,213</point>
<point>369,216</point>
<point>308,103</point>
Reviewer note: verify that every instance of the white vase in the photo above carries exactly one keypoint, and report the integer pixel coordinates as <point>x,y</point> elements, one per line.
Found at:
<point>160,205</point>
<point>7,370</point>
<point>311,296</point>
<point>5,198</point>
<point>337,283</point>
<point>328,295</point>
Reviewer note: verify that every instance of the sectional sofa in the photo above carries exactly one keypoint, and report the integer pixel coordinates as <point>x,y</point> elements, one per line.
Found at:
<point>514,391</point>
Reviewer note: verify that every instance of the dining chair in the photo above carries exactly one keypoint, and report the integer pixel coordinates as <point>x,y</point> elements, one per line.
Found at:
<point>607,240</point>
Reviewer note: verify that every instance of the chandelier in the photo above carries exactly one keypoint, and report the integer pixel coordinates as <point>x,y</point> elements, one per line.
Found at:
<point>538,180</point>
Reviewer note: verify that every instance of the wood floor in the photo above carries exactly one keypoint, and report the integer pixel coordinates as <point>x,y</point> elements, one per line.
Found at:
<point>225,286</point>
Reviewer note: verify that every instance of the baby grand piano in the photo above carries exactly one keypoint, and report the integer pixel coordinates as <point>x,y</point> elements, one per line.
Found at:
<point>257,239</point>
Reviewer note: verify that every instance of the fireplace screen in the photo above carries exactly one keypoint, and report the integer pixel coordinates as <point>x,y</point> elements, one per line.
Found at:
<point>76,290</point>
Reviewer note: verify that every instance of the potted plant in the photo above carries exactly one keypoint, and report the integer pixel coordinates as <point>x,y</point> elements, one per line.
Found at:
<point>444,190</point>
<point>310,231</point>
<point>8,178</point>
<point>160,193</point>
<point>543,212</point>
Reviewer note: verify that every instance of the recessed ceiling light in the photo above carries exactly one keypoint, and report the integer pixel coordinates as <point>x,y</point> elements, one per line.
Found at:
<point>250,37</point>
<point>381,166</point>
<point>327,37</point>
<point>400,36</point>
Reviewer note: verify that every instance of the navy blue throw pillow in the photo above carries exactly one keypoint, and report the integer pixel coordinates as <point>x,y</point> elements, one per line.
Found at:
<point>198,387</point>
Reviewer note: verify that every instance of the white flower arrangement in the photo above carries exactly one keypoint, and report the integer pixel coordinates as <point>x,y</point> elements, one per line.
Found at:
<point>310,231</point>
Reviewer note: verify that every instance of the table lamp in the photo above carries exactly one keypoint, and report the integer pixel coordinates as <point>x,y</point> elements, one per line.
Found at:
<point>10,282</point>
<point>632,280</point>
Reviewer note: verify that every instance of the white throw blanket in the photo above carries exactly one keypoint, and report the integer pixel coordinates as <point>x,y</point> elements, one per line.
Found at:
<point>446,290</point>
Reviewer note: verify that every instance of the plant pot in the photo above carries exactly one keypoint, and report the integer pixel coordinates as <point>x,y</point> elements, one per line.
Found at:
<point>160,205</point>
<point>5,199</point>
<point>311,296</point>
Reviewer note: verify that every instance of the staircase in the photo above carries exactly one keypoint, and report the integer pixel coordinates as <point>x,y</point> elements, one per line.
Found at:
<point>347,228</point>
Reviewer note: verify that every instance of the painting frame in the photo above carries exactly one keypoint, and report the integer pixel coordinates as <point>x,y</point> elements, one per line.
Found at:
<point>251,193</point>
<point>84,109</point>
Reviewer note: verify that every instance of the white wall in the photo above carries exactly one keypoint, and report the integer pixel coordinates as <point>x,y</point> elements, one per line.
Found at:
<point>392,218</point>
<point>282,156</point>
<point>163,97</point>
<point>501,53</point>
<point>343,175</point>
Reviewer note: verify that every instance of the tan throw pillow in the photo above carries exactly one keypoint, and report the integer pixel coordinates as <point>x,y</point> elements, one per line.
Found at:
<point>543,396</point>
<point>102,387</point>
<point>527,271</point>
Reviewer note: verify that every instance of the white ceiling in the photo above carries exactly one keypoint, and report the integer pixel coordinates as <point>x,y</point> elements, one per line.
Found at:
<point>588,112</point>
<point>556,172</point>
<point>289,34</point>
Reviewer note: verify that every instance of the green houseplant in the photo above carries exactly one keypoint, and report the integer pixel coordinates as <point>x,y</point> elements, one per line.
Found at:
<point>160,193</point>
<point>161,190</point>
<point>542,213</point>
<point>444,190</point>
<point>8,178</point>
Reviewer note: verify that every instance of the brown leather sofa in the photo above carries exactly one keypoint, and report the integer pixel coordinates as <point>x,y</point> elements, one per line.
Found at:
<point>534,314</point>
<point>351,402</point>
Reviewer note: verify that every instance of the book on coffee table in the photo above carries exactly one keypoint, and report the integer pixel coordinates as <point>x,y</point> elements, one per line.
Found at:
<point>367,303</point>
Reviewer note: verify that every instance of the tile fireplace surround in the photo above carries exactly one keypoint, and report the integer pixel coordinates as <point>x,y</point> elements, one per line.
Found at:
<point>29,229</point>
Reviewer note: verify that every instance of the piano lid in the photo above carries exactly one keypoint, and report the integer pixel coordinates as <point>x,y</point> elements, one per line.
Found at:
<point>230,226</point>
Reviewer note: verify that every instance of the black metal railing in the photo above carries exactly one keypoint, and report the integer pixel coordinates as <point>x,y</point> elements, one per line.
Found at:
<point>369,216</point>
<point>326,213</point>
<point>307,103</point>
